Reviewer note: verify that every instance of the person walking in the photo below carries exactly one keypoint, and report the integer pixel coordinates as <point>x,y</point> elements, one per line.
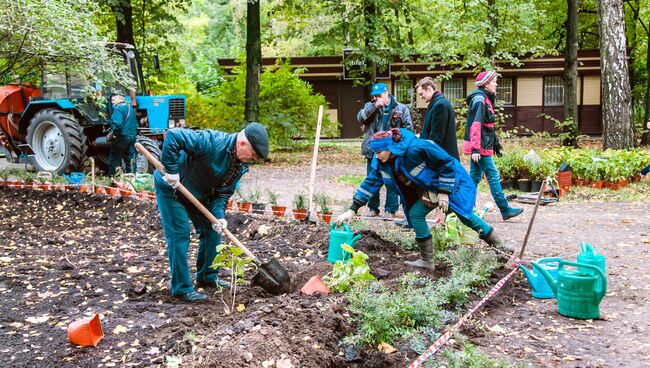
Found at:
<point>440,118</point>
<point>209,164</point>
<point>481,141</point>
<point>382,113</point>
<point>425,177</point>
<point>124,129</point>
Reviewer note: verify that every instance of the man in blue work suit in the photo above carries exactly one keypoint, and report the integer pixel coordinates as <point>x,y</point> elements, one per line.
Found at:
<point>382,113</point>
<point>209,164</point>
<point>124,129</point>
<point>425,177</point>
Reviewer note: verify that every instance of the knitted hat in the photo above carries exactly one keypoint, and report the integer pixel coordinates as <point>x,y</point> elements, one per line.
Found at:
<point>258,138</point>
<point>381,140</point>
<point>485,77</point>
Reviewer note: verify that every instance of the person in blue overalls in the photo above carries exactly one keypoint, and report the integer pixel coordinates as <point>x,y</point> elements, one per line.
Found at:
<point>209,164</point>
<point>425,177</point>
<point>124,129</point>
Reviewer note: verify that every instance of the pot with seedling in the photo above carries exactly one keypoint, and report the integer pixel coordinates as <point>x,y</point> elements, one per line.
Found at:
<point>322,201</point>
<point>4,175</point>
<point>244,204</point>
<point>255,197</point>
<point>44,179</point>
<point>278,211</point>
<point>59,182</point>
<point>300,206</point>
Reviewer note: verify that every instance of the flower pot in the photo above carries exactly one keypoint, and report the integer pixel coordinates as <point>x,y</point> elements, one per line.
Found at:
<point>86,331</point>
<point>259,207</point>
<point>597,184</point>
<point>244,207</point>
<point>300,214</point>
<point>83,188</point>
<point>564,179</point>
<point>229,206</point>
<point>278,211</point>
<point>523,185</point>
<point>507,184</point>
<point>535,185</point>
<point>623,183</point>
<point>111,191</point>
<point>99,190</point>
<point>327,217</point>
<point>125,192</point>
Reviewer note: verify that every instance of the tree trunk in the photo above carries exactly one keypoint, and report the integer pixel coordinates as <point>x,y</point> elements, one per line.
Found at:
<point>491,46</point>
<point>645,139</point>
<point>571,70</point>
<point>124,22</point>
<point>618,131</point>
<point>253,60</point>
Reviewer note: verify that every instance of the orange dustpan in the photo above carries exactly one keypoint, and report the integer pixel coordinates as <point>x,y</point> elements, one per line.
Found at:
<point>86,331</point>
<point>315,284</point>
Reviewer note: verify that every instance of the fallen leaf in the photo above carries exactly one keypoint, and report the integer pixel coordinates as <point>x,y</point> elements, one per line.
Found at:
<point>240,308</point>
<point>386,348</point>
<point>119,329</point>
<point>37,319</point>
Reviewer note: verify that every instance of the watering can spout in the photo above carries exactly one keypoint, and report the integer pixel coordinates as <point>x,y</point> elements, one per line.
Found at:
<point>551,281</point>
<point>529,275</point>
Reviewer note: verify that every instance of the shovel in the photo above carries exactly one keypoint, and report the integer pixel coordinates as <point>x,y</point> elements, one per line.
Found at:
<point>271,276</point>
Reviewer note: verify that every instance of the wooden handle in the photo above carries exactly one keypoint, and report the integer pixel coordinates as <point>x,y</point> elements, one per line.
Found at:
<point>196,202</point>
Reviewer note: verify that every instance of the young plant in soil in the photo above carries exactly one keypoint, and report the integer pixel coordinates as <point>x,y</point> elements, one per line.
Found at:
<point>300,201</point>
<point>354,272</point>
<point>230,258</point>
<point>273,197</point>
<point>322,201</point>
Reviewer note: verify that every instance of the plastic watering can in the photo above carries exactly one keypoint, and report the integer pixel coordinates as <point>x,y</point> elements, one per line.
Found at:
<point>590,257</point>
<point>457,231</point>
<point>338,237</point>
<point>539,287</point>
<point>578,292</point>
<point>74,177</point>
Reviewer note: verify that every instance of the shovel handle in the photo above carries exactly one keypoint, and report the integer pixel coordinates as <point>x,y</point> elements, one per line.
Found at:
<point>196,202</point>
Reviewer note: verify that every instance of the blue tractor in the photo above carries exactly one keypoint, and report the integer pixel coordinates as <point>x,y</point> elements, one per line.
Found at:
<point>57,129</point>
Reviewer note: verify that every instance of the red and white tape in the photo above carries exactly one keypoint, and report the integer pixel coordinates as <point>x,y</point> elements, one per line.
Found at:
<point>444,338</point>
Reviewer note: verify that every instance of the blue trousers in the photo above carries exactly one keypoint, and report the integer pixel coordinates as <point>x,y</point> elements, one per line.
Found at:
<point>391,205</point>
<point>176,222</point>
<point>122,148</point>
<point>418,212</point>
<point>486,165</point>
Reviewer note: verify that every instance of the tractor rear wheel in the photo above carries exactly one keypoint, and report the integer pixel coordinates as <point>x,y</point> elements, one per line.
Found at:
<point>58,141</point>
<point>142,165</point>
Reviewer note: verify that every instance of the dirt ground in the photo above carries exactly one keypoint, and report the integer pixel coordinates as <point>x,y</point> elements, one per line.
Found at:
<point>67,255</point>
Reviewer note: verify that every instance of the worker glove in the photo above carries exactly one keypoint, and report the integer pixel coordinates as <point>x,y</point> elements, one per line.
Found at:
<point>172,180</point>
<point>443,201</point>
<point>345,217</point>
<point>219,226</point>
<point>430,199</point>
<point>476,157</point>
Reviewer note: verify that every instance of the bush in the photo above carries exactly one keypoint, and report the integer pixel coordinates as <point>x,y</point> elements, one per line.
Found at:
<point>288,106</point>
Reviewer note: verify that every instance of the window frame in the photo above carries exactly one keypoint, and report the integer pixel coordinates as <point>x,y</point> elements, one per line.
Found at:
<point>512,91</point>
<point>463,86</point>
<point>546,84</point>
<point>396,93</point>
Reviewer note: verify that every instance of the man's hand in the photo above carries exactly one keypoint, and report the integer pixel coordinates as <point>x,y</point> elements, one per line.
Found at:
<point>172,180</point>
<point>476,157</point>
<point>219,226</point>
<point>110,137</point>
<point>430,199</point>
<point>345,217</point>
<point>443,201</point>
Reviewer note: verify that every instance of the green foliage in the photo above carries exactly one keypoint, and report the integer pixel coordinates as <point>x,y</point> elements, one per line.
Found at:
<point>354,272</point>
<point>288,106</point>
<point>323,202</point>
<point>230,258</point>
<point>273,197</point>
<point>355,180</point>
<point>300,201</point>
<point>468,357</point>
<point>570,135</point>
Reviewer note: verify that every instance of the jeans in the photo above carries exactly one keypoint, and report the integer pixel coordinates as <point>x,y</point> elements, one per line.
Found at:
<point>486,165</point>
<point>419,211</point>
<point>176,223</point>
<point>391,205</point>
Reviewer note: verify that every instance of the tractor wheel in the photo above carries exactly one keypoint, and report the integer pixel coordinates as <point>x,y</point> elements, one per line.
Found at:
<point>142,165</point>
<point>57,140</point>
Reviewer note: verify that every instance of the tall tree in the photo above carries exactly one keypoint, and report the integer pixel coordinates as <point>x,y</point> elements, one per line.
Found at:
<point>253,60</point>
<point>618,130</point>
<point>571,68</point>
<point>123,12</point>
<point>645,26</point>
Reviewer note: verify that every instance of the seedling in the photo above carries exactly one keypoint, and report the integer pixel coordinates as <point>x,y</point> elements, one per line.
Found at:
<point>322,201</point>
<point>354,272</point>
<point>273,197</point>
<point>230,258</point>
<point>300,201</point>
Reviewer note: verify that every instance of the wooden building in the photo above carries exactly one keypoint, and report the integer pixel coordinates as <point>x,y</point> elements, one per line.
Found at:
<point>528,91</point>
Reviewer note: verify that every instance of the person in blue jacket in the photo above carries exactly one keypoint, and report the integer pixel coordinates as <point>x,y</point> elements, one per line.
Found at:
<point>425,177</point>
<point>124,129</point>
<point>209,164</point>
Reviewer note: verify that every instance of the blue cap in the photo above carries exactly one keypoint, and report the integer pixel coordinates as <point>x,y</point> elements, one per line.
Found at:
<point>378,88</point>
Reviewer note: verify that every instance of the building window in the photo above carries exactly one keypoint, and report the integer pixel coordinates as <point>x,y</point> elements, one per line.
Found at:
<point>504,90</point>
<point>553,91</point>
<point>404,91</point>
<point>453,89</point>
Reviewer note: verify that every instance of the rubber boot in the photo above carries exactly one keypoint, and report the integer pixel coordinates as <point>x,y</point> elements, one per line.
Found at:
<point>493,240</point>
<point>426,255</point>
<point>511,212</point>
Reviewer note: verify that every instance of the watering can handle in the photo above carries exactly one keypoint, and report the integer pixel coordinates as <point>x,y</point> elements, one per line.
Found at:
<point>599,272</point>
<point>586,248</point>
<point>549,260</point>
<point>344,226</point>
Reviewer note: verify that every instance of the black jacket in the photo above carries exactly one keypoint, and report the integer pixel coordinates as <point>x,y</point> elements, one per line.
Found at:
<point>440,124</point>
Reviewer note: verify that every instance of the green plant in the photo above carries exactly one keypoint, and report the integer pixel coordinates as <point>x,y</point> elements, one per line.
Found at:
<point>300,201</point>
<point>322,201</point>
<point>352,273</point>
<point>4,174</point>
<point>570,134</point>
<point>28,176</point>
<point>355,180</point>
<point>230,258</point>
<point>273,197</point>
<point>255,196</point>
<point>469,357</point>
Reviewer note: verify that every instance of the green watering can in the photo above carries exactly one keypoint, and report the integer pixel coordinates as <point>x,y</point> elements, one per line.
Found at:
<point>338,237</point>
<point>578,291</point>
<point>590,257</point>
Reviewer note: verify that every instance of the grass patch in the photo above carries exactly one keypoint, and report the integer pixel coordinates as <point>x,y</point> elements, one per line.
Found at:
<point>468,356</point>
<point>633,192</point>
<point>330,151</point>
<point>354,180</point>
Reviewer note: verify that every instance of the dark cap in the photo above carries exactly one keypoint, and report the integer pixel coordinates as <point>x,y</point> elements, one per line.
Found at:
<point>258,138</point>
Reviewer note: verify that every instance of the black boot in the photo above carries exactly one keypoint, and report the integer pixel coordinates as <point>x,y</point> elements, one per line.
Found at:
<point>426,255</point>
<point>493,240</point>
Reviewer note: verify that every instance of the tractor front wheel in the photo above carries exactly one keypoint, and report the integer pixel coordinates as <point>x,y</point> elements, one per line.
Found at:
<point>57,140</point>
